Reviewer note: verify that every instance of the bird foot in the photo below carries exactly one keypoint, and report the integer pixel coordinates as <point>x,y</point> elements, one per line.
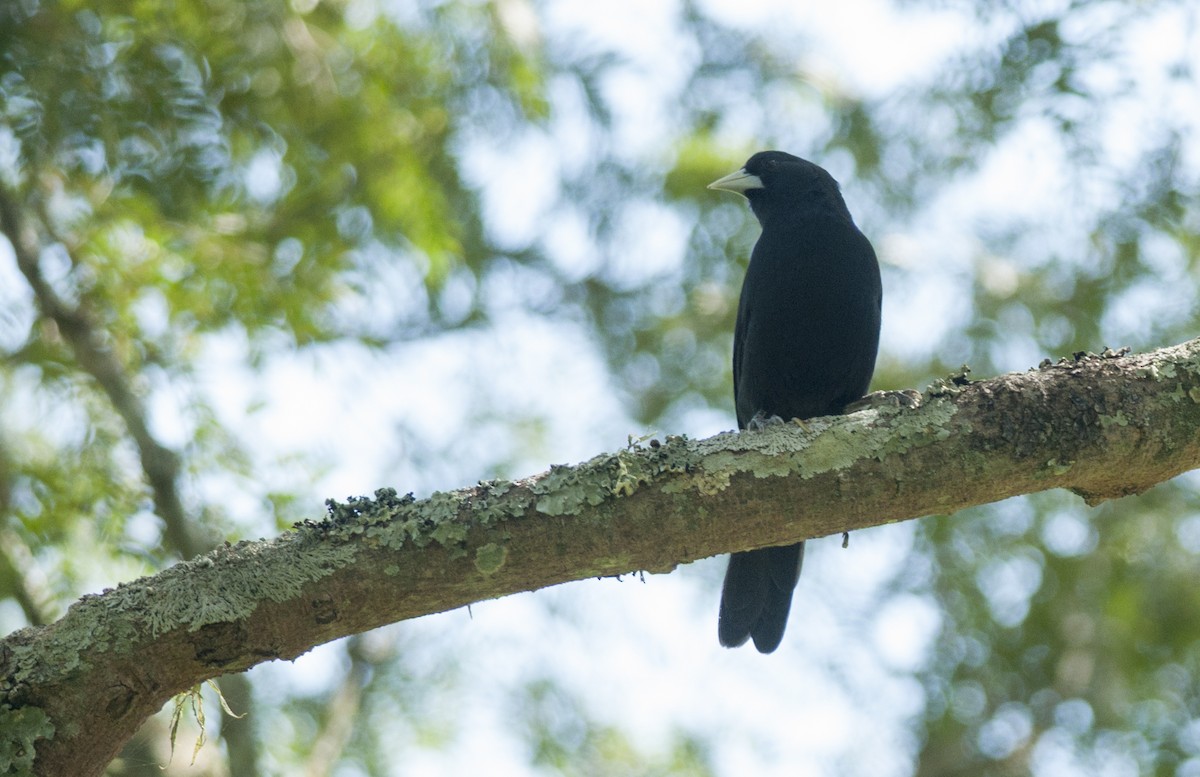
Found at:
<point>908,399</point>
<point>761,421</point>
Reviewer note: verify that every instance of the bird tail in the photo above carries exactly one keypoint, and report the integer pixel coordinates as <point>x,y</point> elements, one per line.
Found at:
<point>757,596</point>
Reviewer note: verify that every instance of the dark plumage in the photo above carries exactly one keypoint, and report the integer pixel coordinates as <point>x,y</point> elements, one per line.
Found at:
<point>807,333</point>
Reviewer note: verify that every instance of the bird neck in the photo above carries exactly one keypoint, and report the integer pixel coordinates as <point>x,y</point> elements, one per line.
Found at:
<point>802,206</point>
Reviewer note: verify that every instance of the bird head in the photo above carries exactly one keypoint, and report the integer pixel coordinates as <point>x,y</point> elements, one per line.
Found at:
<point>777,182</point>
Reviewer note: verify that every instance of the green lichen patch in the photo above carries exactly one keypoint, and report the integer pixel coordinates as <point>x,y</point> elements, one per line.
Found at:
<point>20,729</point>
<point>494,501</point>
<point>490,558</point>
<point>445,518</point>
<point>229,583</point>
<point>226,585</point>
<point>351,516</point>
<point>571,490</point>
<point>1117,419</point>
<point>820,446</point>
<point>392,521</point>
<point>566,490</point>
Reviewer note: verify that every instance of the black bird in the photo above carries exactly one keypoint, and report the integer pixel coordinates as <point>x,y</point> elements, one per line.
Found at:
<point>807,333</point>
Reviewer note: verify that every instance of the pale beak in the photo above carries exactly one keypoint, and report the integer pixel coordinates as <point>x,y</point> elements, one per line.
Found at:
<point>738,183</point>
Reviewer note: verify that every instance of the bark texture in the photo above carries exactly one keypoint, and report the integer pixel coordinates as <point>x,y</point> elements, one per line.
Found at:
<point>72,692</point>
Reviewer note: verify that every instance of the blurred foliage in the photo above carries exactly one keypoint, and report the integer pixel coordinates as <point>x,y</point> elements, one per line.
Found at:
<point>567,741</point>
<point>305,174</point>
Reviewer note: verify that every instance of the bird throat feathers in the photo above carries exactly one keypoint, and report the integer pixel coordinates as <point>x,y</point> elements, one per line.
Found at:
<point>798,205</point>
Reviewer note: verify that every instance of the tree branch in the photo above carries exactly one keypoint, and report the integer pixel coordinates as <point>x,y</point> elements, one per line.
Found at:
<point>95,357</point>
<point>1103,426</point>
<point>161,465</point>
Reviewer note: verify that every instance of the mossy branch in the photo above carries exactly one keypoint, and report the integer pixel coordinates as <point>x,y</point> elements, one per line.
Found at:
<point>1105,426</point>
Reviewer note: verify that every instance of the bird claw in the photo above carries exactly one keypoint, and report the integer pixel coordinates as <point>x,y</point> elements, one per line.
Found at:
<point>761,421</point>
<point>907,399</point>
